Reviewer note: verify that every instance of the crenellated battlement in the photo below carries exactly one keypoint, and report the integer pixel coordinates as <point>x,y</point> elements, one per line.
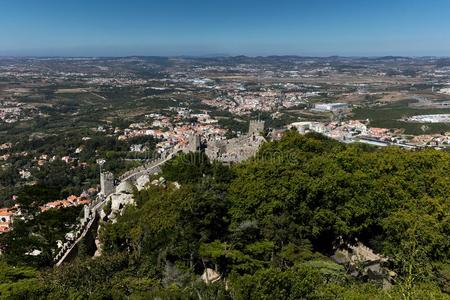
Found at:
<point>256,127</point>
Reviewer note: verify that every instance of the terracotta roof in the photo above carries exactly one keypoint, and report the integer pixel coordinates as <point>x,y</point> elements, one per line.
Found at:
<point>5,212</point>
<point>72,200</point>
<point>4,229</point>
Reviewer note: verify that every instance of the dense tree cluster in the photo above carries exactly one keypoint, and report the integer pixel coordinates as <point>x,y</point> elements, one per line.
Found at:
<point>39,232</point>
<point>67,178</point>
<point>268,226</point>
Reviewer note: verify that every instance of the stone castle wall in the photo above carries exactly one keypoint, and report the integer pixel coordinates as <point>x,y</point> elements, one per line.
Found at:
<point>237,149</point>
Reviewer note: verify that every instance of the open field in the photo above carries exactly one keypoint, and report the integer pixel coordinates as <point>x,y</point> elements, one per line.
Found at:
<point>71,91</point>
<point>339,79</point>
<point>389,116</point>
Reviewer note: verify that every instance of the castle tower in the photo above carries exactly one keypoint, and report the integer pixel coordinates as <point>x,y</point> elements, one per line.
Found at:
<point>194,143</point>
<point>86,212</point>
<point>106,183</point>
<point>255,127</point>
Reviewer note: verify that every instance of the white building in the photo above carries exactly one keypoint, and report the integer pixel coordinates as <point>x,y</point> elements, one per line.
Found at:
<point>303,127</point>
<point>331,106</point>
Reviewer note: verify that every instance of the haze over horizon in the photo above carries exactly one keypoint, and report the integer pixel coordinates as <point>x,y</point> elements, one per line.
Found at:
<point>253,28</point>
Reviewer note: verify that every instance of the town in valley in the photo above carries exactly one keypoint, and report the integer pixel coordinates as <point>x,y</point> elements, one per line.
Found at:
<point>57,111</point>
<point>81,136</point>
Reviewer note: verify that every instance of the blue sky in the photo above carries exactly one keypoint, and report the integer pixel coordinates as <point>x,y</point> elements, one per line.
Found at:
<point>202,27</point>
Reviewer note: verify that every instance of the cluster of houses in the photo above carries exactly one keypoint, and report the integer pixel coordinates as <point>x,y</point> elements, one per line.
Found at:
<point>72,200</point>
<point>9,214</point>
<point>6,218</point>
<point>341,131</point>
<point>359,131</point>
<point>173,131</point>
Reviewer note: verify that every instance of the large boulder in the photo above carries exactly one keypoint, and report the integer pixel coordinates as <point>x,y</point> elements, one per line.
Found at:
<point>210,276</point>
<point>142,181</point>
<point>120,200</point>
<point>125,187</point>
<point>362,261</point>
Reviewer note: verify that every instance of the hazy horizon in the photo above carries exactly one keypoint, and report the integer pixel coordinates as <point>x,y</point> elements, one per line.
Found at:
<point>222,56</point>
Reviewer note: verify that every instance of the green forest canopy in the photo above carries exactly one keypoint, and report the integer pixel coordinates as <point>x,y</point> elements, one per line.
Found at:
<point>268,226</point>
